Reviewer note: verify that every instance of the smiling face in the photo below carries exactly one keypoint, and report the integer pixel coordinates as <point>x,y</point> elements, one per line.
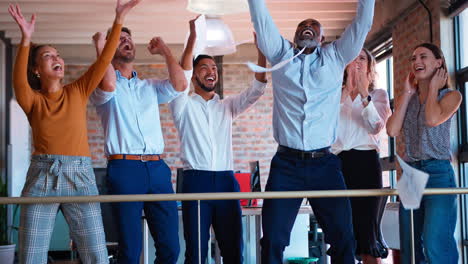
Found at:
<point>361,62</point>
<point>424,63</point>
<point>126,50</point>
<point>308,34</point>
<point>205,74</point>
<point>48,64</point>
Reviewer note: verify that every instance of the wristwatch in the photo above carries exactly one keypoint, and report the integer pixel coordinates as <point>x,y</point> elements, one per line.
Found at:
<point>366,99</point>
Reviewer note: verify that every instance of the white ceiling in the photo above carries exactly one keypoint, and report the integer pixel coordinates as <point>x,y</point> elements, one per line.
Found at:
<point>75,21</point>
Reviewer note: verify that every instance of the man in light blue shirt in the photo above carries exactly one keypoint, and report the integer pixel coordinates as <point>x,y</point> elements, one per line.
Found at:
<point>305,114</point>
<point>129,111</point>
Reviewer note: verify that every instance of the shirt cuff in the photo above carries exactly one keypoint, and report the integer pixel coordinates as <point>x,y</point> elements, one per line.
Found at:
<point>188,77</point>
<point>370,113</point>
<point>259,86</point>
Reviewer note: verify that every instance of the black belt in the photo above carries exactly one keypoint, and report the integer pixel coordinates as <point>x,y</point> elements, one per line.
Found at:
<point>301,154</point>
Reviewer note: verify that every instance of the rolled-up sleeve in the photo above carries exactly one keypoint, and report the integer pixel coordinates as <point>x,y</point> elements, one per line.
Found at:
<point>377,112</point>
<point>100,97</point>
<point>179,103</point>
<point>164,90</point>
<point>241,102</point>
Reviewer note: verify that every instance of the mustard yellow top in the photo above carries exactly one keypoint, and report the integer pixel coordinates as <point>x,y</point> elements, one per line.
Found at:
<point>58,119</point>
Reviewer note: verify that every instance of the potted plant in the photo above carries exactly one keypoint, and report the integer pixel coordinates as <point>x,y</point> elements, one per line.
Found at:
<point>7,249</point>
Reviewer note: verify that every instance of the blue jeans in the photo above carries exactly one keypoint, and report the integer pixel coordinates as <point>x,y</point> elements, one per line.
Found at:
<point>224,215</point>
<point>333,214</point>
<point>434,221</point>
<point>137,177</point>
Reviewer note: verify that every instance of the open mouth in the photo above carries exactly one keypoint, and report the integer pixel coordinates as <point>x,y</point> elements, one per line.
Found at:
<point>308,33</point>
<point>419,69</point>
<point>127,47</point>
<point>57,67</point>
<point>210,80</point>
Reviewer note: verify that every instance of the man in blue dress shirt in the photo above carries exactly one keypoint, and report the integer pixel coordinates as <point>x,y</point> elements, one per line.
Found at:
<point>129,111</point>
<point>305,117</point>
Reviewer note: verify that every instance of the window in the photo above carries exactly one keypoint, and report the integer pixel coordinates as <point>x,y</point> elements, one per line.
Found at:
<point>385,81</point>
<point>463,31</point>
<point>461,42</point>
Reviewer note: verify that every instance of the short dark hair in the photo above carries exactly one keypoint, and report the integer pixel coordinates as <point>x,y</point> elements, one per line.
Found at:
<point>124,29</point>
<point>197,60</point>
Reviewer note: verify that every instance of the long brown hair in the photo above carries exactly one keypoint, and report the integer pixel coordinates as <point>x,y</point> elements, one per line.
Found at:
<point>371,71</point>
<point>438,54</point>
<point>33,80</point>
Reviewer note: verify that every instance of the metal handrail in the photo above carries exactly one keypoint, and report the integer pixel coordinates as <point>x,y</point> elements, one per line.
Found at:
<point>220,196</point>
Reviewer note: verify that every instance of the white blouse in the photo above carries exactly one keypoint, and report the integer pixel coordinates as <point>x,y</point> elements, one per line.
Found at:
<point>359,126</point>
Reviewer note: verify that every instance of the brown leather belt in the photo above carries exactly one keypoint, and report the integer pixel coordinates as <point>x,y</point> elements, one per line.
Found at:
<point>135,157</point>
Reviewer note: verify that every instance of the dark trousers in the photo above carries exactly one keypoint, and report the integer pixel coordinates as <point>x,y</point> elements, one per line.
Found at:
<point>333,214</point>
<point>224,215</point>
<point>137,177</point>
<point>361,170</point>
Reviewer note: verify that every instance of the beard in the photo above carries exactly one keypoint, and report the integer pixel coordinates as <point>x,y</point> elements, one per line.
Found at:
<point>126,58</point>
<point>204,87</point>
<point>307,43</point>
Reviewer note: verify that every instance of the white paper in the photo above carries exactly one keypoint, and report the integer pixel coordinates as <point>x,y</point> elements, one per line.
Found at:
<point>201,41</point>
<point>255,68</point>
<point>411,185</point>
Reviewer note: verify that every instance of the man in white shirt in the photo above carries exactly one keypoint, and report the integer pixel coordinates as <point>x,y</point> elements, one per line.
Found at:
<point>204,122</point>
<point>306,105</point>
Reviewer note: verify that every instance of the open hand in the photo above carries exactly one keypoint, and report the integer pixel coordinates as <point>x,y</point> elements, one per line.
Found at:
<point>362,82</point>
<point>27,28</point>
<point>351,80</point>
<point>439,79</point>
<point>121,9</point>
<point>410,86</point>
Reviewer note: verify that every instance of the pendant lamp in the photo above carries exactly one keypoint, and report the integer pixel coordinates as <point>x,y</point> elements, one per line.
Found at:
<point>219,38</point>
<point>217,7</point>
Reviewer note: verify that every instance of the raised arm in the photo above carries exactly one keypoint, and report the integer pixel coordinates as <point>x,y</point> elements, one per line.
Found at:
<point>176,74</point>
<point>23,91</point>
<point>352,40</point>
<point>439,111</point>
<point>270,41</point>
<point>241,102</point>
<point>91,79</point>
<point>395,122</point>
<point>187,56</point>
<point>108,81</point>
<point>260,76</point>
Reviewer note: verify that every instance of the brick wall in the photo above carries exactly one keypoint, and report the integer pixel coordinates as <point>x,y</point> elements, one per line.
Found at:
<point>407,33</point>
<point>252,131</point>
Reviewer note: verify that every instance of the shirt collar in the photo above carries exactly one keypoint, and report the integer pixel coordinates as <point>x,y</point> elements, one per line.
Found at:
<point>317,52</point>
<point>119,75</point>
<point>199,98</point>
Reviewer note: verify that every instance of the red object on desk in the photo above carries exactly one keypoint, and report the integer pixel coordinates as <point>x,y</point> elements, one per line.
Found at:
<point>244,182</point>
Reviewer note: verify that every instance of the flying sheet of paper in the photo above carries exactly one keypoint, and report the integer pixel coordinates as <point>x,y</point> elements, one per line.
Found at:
<point>411,185</point>
<point>200,42</point>
<point>255,68</point>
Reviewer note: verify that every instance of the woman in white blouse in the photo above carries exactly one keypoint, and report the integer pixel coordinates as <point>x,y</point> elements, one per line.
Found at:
<point>364,112</point>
